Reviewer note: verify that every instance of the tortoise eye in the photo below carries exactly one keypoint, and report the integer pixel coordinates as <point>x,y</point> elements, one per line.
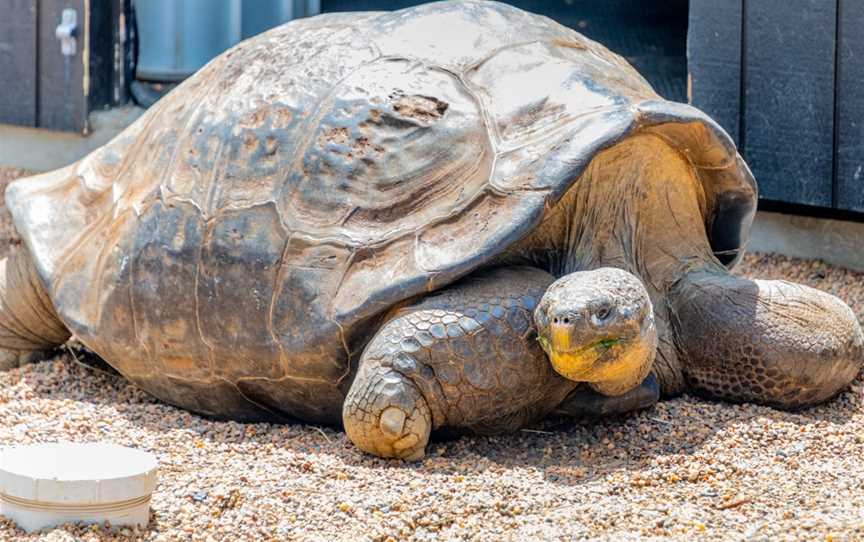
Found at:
<point>602,315</point>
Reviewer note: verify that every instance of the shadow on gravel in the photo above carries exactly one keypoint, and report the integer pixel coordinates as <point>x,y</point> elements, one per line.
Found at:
<point>563,451</point>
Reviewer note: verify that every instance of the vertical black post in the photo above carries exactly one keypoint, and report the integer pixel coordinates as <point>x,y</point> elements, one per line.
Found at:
<point>714,61</point>
<point>18,62</point>
<point>849,117</point>
<point>788,136</point>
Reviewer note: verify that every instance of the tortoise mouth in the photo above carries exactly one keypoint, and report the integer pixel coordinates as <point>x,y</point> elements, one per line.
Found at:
<point>561,344</point>
<point>602,359</point>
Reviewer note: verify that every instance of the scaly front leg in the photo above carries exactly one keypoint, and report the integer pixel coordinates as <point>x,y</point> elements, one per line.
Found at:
<point>385,413</point>
<point>466,357</point>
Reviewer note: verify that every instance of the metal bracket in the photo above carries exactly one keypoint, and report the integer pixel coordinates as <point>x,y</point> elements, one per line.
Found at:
<point>66,32</point>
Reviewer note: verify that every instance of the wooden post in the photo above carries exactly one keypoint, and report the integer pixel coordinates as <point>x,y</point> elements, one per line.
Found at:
<point>714,60</point>
<point>788,102</point>
<point>849,146</point>
<point>18,62</point>
<point>62,97</point>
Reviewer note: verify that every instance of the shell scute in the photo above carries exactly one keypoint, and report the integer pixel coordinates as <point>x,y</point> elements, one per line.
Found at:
<point>309,273</point>
<point>240,258</point>
<point>380,155</point>
<point>162,267</point>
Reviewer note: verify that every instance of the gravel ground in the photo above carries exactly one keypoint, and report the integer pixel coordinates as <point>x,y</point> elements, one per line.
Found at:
<point>688,469</point>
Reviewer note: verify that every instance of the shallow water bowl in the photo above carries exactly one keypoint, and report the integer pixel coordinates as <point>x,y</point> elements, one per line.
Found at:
<point>44,485</point>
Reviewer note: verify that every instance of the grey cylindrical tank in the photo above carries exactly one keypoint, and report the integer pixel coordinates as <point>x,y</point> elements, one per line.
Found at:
<point>260,15</point>
<point>176,38</point>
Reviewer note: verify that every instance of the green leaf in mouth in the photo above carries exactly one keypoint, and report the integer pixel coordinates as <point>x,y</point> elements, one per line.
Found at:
<point>606,344</point>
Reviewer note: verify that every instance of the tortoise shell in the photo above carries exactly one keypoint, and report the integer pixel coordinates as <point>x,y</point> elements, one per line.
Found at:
<point>231,250</point>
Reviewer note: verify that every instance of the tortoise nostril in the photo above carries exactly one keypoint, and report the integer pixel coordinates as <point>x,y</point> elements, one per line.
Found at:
<point>555,320</point>
<point>566,320</point>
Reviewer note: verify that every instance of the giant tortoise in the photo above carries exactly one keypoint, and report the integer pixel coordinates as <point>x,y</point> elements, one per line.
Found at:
<point>459,215</point>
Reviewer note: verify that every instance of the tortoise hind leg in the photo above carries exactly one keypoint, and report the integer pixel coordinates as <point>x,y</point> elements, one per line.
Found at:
<point>29,326</point>
<point>763,341</point>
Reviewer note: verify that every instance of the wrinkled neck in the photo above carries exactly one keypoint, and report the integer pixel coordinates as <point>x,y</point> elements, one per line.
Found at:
<point>639,206</point>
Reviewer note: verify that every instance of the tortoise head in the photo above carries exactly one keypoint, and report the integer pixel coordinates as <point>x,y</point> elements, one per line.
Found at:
<point>598,327</point>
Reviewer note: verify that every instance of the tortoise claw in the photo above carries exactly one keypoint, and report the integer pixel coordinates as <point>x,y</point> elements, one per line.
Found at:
<point>386,415</point>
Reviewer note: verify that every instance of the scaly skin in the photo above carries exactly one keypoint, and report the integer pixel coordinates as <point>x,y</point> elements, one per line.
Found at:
<point>772,342</point>
<point>385,414</point>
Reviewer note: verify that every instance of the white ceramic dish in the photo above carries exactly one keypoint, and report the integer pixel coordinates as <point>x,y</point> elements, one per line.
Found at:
<point>43,485</point>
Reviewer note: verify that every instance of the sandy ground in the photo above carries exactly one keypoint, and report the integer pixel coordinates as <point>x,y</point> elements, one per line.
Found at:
<point>686,470</point>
